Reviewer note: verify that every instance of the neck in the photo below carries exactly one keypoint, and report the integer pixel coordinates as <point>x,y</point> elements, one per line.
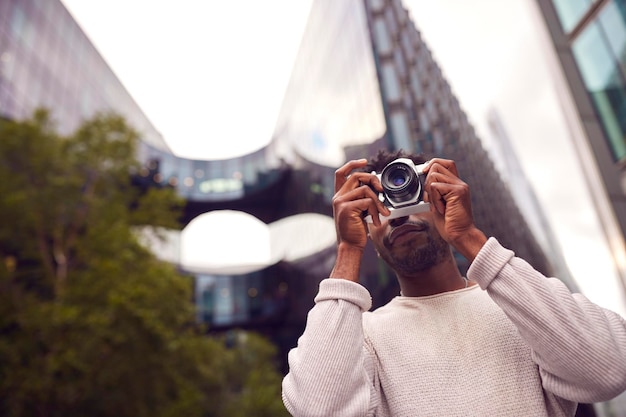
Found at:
<point>440,278</point>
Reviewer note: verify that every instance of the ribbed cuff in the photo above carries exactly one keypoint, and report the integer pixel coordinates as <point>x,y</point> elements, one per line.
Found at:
<point>488,263</point>
<point>343,289</point>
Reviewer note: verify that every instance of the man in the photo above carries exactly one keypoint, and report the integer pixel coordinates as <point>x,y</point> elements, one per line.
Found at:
<point>505,341</point>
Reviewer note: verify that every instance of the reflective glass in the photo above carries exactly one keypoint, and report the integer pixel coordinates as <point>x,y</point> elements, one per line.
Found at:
<point>613,22</point>
<point>399,61</point>
<point>377,4</point>
<point>390,82</point>
<point>604,82</point>
<point>381,34</point>
<point>570,12</point>
<point>416,86</point>
<point>17,22</point>
<point>401,131</point>
<point>328,107</point>
<point>424,122</point>
<point>391,20</point>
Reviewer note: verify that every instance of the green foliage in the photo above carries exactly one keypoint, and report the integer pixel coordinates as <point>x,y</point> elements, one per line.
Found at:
<point>253,385</point>
<point>90,322</point>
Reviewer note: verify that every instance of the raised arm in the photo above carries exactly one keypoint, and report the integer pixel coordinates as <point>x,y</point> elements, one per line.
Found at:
<point>330,371</point>
<point>579,347</point>
<point>353,197</point>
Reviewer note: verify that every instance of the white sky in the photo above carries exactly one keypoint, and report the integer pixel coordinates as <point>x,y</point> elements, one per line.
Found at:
<point>211,76</point>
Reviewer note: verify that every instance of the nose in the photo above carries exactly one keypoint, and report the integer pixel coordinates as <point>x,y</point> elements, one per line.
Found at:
<point>398,221</point>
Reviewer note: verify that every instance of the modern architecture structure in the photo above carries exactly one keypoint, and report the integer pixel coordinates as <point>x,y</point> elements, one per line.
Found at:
<point>587,41</point>
<point>47,61</point>
<point>587,53</point>
<point>508,164</point>
<point>364,79</point>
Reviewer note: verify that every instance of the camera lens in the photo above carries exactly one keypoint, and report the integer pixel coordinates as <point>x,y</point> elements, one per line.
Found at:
<point>398,177</point>
<point>400,182</point>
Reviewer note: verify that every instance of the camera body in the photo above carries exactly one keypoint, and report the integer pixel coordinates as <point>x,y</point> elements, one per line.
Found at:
<point>403,188</point>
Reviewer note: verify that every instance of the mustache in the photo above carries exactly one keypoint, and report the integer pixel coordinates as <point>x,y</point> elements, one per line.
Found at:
<point>421,225</point>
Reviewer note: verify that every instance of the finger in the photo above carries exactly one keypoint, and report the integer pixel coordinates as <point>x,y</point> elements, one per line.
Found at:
<point>350,213</point>
<point>436,198</point>
<point>366,191</point>
<point>375,210</point>
<point>357,179</point>
<point>442,175</point>
<point>439,163</point>
<point>444,192</point>
<point>342,174</point>
<point>369,179</point>
<point>374,206</point>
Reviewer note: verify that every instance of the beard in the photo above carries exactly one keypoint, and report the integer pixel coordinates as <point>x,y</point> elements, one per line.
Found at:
<point>410,258</point>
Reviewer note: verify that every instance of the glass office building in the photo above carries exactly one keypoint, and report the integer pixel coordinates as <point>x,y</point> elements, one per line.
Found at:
<point>588,53</point>
<point>365,79</point>
<point>47,61</point>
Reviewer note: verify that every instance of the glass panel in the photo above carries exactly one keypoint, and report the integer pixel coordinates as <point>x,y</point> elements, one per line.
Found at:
<point>416,86</point>
<point>399,60</point>
<point>326,109</point>
<point>377,5</point>
<point>18,20</point>
<point>205,298</point>
<point>613,22</point>
<point>605,84</point>
<point>390,82</point>
<point>382,37</point>
<point>401,132</point>
<point>424,122</point>
<point>391,20</point>
<point>570,12</point>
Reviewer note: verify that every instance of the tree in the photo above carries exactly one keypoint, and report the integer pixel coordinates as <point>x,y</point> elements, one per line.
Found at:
<point>91,322</point>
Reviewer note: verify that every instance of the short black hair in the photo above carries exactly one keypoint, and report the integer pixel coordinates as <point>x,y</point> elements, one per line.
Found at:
<point>379,161</point>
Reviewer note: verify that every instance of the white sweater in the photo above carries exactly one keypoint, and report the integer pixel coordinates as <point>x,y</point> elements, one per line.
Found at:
<point>523,347</point>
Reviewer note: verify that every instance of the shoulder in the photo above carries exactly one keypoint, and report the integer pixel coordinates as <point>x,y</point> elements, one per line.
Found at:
<point>333,289</point>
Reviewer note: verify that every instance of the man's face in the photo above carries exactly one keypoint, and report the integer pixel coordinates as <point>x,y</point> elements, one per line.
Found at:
<point>409,244</point>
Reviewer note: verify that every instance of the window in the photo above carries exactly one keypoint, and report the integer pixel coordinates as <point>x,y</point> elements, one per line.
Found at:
<point>570,12</point>
<point>595,54</point>
<point>613,22</point>
<point>391,83</point>
<point>401,131</point>
<point>383,40</point>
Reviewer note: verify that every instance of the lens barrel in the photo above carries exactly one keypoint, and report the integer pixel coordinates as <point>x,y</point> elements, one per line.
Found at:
<point>400,182</point>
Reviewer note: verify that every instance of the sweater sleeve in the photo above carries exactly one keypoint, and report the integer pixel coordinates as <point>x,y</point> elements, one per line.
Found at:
<point>580,348</point>
<point>330,372</point>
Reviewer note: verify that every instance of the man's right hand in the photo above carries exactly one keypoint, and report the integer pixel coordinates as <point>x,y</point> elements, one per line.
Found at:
<point>354,197</point>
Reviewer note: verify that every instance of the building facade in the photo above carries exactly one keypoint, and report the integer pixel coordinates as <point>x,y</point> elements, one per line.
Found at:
<point>46,60</point>
<point>588,57</point>
<point>506,160</point>
<point>587,53</point>
<point>377,85</point>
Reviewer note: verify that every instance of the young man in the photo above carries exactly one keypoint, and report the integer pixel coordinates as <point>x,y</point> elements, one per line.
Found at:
<point>505,341</point>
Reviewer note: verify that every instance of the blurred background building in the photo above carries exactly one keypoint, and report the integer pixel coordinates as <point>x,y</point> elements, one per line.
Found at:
<point>587,52</point>
<point>508,164</point>
<point>364,79</point>
<point>588,56</point>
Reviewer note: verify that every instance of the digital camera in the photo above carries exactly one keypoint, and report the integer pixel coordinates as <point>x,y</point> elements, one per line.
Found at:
<point>403,189</point>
